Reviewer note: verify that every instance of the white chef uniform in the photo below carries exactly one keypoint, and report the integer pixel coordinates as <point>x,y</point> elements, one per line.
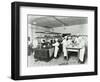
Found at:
<point>64,42</point>
<point>82,50</point>
<point>56,48</point>
<point>35,43</point>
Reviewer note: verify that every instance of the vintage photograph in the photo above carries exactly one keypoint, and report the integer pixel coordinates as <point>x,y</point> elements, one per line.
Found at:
<point>53,40</point>
<point>56,40</point>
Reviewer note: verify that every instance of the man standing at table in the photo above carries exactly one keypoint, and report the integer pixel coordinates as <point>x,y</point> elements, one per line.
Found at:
<point>64,43</point>
<point>81,44</point>
<point>82,50</point>
<point>56,45</point>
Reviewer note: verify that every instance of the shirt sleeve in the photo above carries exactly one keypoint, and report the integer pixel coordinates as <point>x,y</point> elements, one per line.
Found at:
<point>56,44</point>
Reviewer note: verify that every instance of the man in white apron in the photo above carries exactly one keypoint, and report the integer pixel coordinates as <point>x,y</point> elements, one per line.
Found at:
<point>56,44</point>
<point>35,43</point>
<point>64,42</point>
<point>82,50</point>
<point>29,46</point>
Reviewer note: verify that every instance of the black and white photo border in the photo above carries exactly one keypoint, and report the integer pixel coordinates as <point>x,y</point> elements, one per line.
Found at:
<point>20,69</point>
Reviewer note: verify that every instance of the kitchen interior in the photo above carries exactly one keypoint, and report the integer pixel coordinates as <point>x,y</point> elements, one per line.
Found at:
<point>45,29</point>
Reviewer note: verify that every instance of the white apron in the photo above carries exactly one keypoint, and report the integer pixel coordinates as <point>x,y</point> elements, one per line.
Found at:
<point>82,51</point>
<point>56,49</point>
<point>64,47</point>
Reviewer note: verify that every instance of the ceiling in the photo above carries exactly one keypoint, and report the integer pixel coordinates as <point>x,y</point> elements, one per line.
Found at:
<point>56,21</point>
